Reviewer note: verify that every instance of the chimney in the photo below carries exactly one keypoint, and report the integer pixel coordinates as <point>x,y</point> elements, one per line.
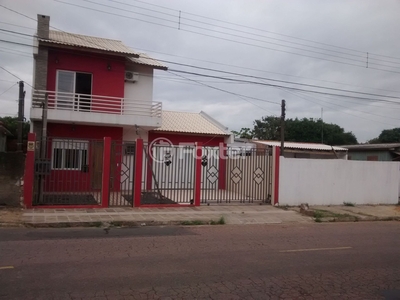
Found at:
<point>43,26</point>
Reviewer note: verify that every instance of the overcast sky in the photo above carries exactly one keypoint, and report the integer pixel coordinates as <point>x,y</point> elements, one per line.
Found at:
<point>303,43</point>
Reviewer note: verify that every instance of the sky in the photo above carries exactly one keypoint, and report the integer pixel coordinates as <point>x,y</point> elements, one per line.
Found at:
<point>337,60</point>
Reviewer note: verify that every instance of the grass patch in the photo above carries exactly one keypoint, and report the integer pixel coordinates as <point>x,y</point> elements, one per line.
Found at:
<point>221,221</point>
<point>319,214</point>
<point>194,222</point>
<point>97,224</point>
<point>284,207</point>
<point>348,204</point>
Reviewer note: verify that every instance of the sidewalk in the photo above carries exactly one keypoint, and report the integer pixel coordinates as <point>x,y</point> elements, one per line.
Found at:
<point>243,214</point>
<point>340,213</point>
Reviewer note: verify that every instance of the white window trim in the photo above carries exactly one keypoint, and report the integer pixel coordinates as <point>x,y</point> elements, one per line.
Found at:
<point>74,72</point>
<point>69,144</point>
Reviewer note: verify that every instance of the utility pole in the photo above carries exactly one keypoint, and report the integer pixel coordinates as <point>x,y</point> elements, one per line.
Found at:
<point>322,125</point>
<point>43,146</point>
<point>283,114</point>
<point>44,127</point>
<point>21,104</point>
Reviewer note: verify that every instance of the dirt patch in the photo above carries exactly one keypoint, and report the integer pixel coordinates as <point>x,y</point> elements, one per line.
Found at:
<point>10,216</point>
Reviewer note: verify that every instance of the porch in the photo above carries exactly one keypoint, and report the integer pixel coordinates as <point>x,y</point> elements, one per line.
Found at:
<point>95,109</point>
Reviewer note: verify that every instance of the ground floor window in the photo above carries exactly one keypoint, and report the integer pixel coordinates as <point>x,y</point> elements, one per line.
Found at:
<point>69,154</point>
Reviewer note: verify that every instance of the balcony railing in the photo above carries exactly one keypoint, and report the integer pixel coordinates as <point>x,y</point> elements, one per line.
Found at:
<point>96,104</point>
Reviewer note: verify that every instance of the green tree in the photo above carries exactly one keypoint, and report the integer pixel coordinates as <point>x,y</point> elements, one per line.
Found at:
<point>390,136</point>
<point>268,128</point>
<point>303,130</point>
<point>244,133</point>
<point>11,124</point>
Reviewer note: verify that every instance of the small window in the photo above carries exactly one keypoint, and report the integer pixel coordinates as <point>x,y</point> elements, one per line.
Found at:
<point>69,154</point>
<point>130,149</point>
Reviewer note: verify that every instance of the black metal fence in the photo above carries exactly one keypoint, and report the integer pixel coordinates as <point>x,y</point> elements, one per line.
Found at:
<point>68,172</point>
<point>122,173</point>
<point>168,174</point>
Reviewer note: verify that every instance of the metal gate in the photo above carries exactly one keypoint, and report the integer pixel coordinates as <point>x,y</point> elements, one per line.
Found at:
<point>122,173</point>
<point>68,172</point>
<point>168,174</point>
<point>236,176</point>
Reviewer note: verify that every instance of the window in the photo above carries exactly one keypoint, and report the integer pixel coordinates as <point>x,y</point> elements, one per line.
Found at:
<point>130,149</point>
<point>372,157</point>
<point>74,90</point>
<point>69,154</point>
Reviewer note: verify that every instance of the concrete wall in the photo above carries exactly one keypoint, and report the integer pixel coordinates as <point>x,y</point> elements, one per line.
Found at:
<point>332,182</point>
<point>141,90</point>
<point>11,171</point>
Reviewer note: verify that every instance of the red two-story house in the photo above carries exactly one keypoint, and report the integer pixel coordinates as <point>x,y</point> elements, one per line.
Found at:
<point>87,88</point>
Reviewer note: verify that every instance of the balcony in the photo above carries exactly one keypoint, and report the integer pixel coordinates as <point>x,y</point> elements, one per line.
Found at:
<point>95,110</point>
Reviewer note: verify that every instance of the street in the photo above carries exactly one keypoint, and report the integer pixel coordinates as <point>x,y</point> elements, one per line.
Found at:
<point>293,261</point>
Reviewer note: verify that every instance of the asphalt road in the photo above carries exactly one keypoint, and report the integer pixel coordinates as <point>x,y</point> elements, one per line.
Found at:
<point>310,261</point>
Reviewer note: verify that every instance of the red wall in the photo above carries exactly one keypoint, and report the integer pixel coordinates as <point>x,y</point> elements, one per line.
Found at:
<point>83,131</point>
<point>206,140</point>
<point>76,180</point>
<point>104,82</point>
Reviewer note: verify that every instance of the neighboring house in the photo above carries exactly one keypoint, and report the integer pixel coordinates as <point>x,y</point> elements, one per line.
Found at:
<point>4,133</point>
<point>374,152</point>
<point>306,150</point>
<point>241,146</point>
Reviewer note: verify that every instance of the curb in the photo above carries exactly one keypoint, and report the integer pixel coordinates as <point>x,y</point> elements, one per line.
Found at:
<point>355,219</point>
<point>102,224</point>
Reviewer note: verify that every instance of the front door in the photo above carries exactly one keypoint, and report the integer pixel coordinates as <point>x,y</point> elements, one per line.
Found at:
<point>97,164</point>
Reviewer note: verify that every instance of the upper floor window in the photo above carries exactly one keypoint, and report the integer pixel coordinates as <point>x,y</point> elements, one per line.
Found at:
<point>74,90</point>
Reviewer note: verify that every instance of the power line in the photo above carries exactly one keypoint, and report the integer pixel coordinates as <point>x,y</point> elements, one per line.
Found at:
<point>253,28</point>
<point>243,97</point>
<point>16,32</point>
<point>8,89</point>
<point>262,78</point>
<point>14,75</point>
<point>235,41</point>
<point>224,27</point>
<point>345,112</point>
<point>285,87</point>
<point>257,70</point>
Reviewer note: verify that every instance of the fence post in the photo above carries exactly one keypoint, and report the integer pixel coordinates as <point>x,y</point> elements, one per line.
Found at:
<point>149,166</point>
<point>275,175</point>
<point>105,182</point>
<point>222,166</point>
<point>137,181</point>
<point>29,174</point>
<point>197,174</point>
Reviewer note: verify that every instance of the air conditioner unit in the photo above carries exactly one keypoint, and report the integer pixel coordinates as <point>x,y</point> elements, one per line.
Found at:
<point>131,76</point>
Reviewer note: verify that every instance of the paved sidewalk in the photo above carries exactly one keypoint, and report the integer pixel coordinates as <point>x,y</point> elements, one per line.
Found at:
<point>246,214</point>
<point>357,212</point>
<point>366,212</point>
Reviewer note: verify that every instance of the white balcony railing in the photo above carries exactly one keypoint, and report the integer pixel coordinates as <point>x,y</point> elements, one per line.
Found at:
<point>96,104</point>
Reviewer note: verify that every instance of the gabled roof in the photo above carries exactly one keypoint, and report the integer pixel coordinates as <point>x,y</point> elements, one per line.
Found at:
<point>88,42</point>
<point>194,123</point>
<point>301,146</point>
<point>144,59</point>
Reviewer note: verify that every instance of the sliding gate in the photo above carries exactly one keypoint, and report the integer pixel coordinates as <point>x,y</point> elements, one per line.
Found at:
<point>236,176</point>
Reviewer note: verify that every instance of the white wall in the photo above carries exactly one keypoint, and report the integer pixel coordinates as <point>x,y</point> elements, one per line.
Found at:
<point>332,182</point>
<point>141,90</point>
